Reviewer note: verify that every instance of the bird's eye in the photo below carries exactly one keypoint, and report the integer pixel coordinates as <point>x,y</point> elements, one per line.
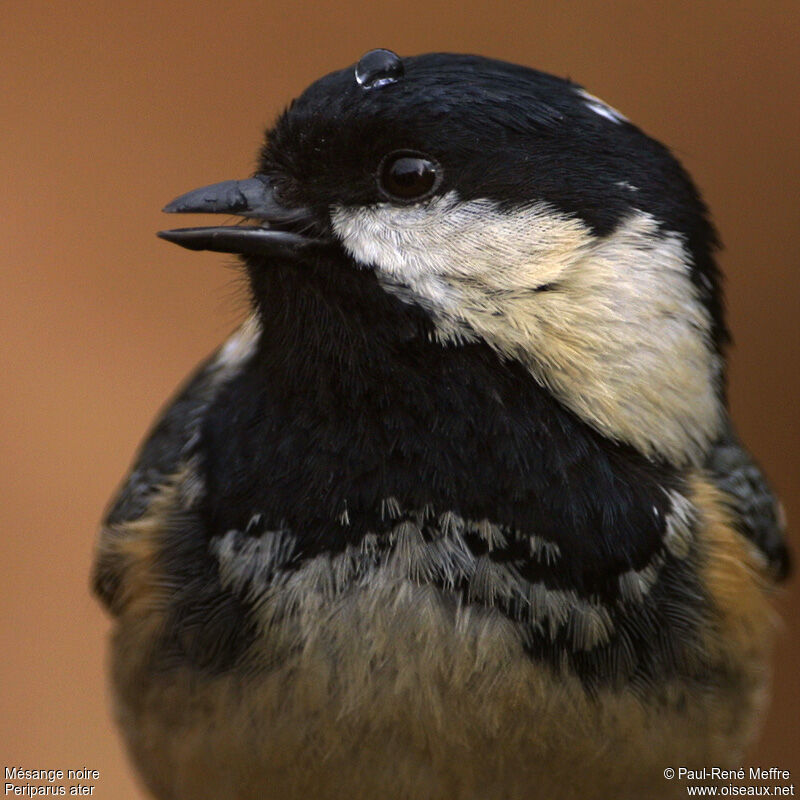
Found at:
<point>405,176</point>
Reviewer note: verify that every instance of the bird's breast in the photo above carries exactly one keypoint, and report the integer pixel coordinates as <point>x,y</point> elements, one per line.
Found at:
<point>380,684</point>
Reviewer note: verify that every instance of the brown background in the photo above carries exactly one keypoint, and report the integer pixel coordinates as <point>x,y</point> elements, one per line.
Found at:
<point>110,109</point>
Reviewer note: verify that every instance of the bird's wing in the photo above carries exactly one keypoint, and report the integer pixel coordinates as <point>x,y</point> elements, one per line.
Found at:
<point>167,449</point>
<point>162,450</point>
<point>757,510</point>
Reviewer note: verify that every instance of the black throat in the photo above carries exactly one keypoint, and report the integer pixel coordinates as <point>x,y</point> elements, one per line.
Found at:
<point>350,404</point>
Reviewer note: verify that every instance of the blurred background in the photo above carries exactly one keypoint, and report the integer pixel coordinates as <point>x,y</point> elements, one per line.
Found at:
<point>111,109</point>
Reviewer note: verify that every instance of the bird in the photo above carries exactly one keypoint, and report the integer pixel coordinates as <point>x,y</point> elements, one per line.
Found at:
<point>458,512</point>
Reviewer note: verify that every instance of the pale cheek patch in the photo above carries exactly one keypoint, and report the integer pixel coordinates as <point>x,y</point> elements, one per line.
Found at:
<point>626,343</point>
<point>433,246</point>
<point>620,336</point>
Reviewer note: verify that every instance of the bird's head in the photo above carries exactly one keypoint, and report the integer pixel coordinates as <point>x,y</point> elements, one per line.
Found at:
<point>513,208</point>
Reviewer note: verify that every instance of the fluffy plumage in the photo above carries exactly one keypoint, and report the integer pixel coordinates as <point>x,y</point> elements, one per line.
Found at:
<point>459,511</point>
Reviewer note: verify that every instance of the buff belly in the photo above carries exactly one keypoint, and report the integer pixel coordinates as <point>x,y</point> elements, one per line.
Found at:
<point>395,694</point>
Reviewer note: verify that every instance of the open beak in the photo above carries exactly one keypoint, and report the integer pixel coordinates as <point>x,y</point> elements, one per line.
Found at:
<point>276,233</point>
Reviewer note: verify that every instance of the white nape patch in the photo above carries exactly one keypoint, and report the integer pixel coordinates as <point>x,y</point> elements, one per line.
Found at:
<point>602,108</point>
<point>620,335</point>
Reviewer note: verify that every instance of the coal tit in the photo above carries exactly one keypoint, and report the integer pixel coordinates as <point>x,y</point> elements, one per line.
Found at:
<point>458,512</point>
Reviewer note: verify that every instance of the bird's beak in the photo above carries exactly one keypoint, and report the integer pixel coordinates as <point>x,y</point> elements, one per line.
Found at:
<point>276,233</point>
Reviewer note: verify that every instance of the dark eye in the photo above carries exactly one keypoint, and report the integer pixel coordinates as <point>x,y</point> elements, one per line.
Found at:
<point>406,176</point>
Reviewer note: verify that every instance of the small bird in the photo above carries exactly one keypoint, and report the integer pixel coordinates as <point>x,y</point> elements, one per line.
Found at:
<point>458,513</point>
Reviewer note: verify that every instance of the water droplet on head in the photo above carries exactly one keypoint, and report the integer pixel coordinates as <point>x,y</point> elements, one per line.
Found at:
<point>379,68</point>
